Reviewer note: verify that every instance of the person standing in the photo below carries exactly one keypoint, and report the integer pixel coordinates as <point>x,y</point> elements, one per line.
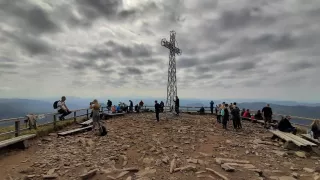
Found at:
<point>161,106</point>
<point>95,106</point>
<point>225,117</point>
<point>236,116</point>
<point>109,104</point>
<point>211,106</point>
<point>157,110</point>
<point>218,110</point>
<point>141,104</point>
<point>177,104</point>
<point>131,106</point>
<point>267,114</point>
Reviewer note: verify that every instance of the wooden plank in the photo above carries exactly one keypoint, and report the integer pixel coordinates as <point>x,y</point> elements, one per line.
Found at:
<point>308,136</point>
<point>16,140</point>
<point>285,137</point>
<point>65,133</point>
<point>86,123</point>
<point>114,114</point>
<point>305,142</point>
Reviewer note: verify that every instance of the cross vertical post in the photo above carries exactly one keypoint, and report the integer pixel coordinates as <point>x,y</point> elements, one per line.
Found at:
<point>172,90</point>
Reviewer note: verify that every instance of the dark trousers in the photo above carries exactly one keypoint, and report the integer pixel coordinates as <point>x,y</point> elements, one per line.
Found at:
<point>63,113</point>
<point>177,109</point>
<point>225,122</point>
<point>219,118</point>
<point>211,110</point>
<point>157,115</point>
<point>237,123</point>
<point>267,121</point>
<point>291,130</point>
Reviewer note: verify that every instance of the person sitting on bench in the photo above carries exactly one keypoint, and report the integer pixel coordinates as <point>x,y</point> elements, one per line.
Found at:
<point>136,108</point>
<point>202,111</point>
<point>114,109</point>
<point>62,108</point>
<point>285,125</point>
<point>315,128</point>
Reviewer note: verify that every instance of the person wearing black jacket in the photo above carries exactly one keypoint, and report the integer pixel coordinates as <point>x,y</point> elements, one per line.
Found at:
<point>130,106</point>
<point>225,117</point>
<point>235,112</point>
<point>177,105</point>
<point>267,114</point>
<point>285,125</point>
<point>315,128</point>
<point>109,104</point>
<point>157,109</point>
<point>211,106</point>
<point>161,106</point>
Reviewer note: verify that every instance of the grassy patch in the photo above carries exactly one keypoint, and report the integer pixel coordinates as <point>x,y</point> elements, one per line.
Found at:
<point>42,130</point>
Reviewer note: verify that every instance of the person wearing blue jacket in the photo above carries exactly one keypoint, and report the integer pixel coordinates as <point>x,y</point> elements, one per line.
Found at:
<point>211,106</point>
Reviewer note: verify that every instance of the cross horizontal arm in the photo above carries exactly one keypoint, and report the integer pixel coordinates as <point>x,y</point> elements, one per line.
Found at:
<point>170,46</point>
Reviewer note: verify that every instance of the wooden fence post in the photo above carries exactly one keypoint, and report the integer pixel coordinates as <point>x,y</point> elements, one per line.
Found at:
<point>75,116</point>
<point>87,113</point>
<point>54,121</point>
<point>17,128</point>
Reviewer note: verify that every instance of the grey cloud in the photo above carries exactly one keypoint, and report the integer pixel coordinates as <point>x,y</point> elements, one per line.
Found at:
<point>275,41</point>
<point>137,50</point>
<point>294,67</point>
<point>32,18</point>
<point>133,71</point>
<point>245,66</point>
<point>238,18</point>
<point>32,44</point>
<point>94,9</point>
<point>186,62</point>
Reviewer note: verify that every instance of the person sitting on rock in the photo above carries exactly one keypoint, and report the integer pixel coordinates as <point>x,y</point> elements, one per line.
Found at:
<point>315,128</point>
<point>285,125</point>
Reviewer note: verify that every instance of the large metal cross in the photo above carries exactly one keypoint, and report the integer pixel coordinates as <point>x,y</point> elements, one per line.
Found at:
<point>172,90</point>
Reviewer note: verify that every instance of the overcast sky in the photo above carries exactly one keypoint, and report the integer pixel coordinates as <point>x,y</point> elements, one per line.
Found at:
<point>93,48</point>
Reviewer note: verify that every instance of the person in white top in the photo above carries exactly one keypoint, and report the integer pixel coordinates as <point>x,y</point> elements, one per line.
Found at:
<point>62,108</point>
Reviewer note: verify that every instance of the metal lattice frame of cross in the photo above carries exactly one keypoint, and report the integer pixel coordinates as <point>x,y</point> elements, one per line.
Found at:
<point>172,90</point>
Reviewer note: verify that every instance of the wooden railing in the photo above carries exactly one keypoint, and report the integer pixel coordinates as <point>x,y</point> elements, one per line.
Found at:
<point>17,121</point>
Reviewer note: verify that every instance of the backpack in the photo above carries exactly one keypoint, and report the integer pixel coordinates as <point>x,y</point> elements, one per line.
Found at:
<point>103,130</point>
<point>55,104</point>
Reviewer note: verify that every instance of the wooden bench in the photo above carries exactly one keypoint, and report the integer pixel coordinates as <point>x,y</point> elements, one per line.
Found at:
<point>86,123</point>
<point>115,114</point>
<point>308,137</point>
<point>73,131</point>
<point>20,139</point>
<point>289,137</point>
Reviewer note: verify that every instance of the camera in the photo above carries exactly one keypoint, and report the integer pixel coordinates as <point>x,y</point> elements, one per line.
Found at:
<point>91,103</point>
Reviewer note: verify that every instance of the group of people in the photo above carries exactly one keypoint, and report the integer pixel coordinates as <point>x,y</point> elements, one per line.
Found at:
<point>159,107</point>
<point>224,112</point>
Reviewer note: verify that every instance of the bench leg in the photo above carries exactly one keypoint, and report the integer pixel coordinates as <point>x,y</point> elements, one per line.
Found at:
<point>22,144</point>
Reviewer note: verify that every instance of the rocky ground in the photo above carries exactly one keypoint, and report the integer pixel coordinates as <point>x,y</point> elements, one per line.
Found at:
<point>189,147</point>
